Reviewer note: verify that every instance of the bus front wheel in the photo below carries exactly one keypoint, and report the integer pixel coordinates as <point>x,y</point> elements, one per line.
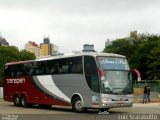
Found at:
<point>104,109</point>
<point>77,105</point>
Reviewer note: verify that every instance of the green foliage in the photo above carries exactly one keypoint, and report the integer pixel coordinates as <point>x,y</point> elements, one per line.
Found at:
<point>143,53</point>
<point>25,55</point>
<point>122,46</point>
<point>10,54</point>
<point>153,61</point>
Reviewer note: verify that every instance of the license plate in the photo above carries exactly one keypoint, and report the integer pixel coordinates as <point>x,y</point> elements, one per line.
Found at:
<point>119,104</point>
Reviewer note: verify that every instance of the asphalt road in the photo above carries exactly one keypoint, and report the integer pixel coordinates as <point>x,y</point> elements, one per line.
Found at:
<point>9,112</point>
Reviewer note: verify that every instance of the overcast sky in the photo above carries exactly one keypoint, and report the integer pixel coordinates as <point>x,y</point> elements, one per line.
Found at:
<point>72,23</point>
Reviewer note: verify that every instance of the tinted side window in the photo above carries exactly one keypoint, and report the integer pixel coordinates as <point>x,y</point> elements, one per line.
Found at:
<point>45,67</point>
<point>8,71</point>
<point>19,69</point>
<point>14,70</point>
<point>91,73</point>
<point>71,65</point>
<point>27,68</point>
<point>77,65</point>
<point>39,68</point>
<point>59,66</point>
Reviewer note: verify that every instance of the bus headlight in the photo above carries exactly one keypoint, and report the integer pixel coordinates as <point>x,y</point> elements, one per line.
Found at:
<point>106,99</point>
<point>130,98</point>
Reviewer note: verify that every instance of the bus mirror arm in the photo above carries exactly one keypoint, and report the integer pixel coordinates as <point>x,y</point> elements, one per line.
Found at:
<point>103,86</point>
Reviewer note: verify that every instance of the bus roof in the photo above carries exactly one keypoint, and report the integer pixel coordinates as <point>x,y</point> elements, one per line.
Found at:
<point>94,54</point>
<point>18,62</point>
<point>68,55</point>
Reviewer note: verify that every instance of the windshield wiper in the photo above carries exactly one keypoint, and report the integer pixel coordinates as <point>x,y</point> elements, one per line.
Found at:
<point>117,88</point>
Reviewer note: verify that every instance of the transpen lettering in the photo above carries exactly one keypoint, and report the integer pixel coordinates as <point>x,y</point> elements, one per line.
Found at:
<point>16,81</point>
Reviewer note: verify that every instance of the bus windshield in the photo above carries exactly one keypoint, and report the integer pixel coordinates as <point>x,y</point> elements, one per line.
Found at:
<point>117,79</point>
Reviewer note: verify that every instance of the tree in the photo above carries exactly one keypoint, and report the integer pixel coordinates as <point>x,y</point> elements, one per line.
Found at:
<point>153,61</point>
<point>26,55</point>
<point>123,46</point>
<point>7,54</point>
<point>10,54</point>
<point>142,53</point>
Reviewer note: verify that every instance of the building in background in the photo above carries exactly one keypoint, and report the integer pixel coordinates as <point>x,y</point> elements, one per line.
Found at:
<point>3,42</point>
<point>133,34</point>
<point>88,48</point>
<point>108,43</point>
<point>48,48</point>
<point>34,48</point>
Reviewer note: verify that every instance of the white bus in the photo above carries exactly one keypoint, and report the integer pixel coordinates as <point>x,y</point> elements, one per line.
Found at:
<point>85,80</point>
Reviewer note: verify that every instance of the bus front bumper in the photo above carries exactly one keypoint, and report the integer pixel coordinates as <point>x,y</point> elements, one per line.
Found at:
<point>116,104</point>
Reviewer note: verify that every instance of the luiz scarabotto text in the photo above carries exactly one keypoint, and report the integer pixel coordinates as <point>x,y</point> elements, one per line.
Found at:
<point>137,117</point>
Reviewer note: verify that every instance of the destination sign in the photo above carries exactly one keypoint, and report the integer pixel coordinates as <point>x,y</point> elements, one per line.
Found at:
<point>113,63</point>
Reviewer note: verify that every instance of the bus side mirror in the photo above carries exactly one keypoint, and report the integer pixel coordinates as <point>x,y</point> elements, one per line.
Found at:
<point>137,74</point>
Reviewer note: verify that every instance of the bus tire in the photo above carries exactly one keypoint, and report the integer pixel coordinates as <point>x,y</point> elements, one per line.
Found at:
<point>77,105</point>
<point>24,102</point>
<point>16,100</point>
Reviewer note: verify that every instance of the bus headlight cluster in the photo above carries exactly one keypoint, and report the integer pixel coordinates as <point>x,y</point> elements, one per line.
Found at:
<point>130,98</point>
<point>106,99</point>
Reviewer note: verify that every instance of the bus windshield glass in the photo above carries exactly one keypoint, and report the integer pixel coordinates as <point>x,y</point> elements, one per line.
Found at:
<point>117,78</point>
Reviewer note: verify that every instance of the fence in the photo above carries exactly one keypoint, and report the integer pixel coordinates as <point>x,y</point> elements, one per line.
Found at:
<point>154,88</point>
<point>154,85</point>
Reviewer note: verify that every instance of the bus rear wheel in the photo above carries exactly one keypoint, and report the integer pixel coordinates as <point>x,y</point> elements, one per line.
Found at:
<point>16,100</point>
<point>77,105</point>
<point>24,102</point>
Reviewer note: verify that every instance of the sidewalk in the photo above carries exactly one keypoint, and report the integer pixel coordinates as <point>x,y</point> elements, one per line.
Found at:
<point>1,99</point>
<point>146,105</point>
<point>138,103</point>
